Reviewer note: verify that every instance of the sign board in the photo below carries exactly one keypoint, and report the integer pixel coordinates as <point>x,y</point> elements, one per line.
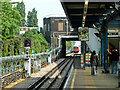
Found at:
<point>32,51</point>
<point>37,29</point>
<point>83,33</point>
<point>47,50</point>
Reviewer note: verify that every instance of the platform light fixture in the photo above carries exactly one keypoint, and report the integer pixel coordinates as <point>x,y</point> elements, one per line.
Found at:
<point>86,2</point>
<point>85,12</point>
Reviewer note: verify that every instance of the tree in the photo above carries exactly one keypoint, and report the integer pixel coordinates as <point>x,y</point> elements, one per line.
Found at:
<point>32,20</point>
<point>69,45</point>
<point>21,9</point>
<point>10,19</point>
<point>38,42</point>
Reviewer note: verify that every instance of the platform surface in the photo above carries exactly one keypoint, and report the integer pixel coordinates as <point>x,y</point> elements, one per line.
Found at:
<point>83,79</point>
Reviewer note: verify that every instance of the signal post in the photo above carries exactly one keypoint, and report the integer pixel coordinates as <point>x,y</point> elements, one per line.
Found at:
<point>27,63</point>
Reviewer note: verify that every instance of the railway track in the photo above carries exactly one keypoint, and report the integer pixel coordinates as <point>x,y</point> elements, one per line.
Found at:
<point>54,78</point>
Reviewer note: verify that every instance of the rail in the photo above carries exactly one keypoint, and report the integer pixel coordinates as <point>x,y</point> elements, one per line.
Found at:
<point>53,75</point>
<point>14,64</point>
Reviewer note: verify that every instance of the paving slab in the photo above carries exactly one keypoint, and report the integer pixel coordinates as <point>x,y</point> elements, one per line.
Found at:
<point>84,80</point>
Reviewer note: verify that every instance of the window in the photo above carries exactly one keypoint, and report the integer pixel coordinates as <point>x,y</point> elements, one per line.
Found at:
<point>60,26</point>
<point>45,27</point>
<point>48,27</point>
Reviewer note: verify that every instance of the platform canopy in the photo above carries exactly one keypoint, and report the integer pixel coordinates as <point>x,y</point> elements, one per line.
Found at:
<point>88,13</point>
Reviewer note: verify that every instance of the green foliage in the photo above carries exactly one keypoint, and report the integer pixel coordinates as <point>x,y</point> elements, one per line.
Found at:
<point>69,45</point>
<point>38,42</point>
<point>32,20</point>
<point>12,19</point>
<point>21,9</point>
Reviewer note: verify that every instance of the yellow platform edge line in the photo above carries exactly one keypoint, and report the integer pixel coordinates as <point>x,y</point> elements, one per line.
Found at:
<point>73,80</point>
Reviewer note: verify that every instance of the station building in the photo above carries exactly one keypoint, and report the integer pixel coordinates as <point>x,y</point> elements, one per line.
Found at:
<point>54,27</point>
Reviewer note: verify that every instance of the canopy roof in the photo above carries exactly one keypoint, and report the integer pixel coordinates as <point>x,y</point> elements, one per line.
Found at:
<point>87,13</point>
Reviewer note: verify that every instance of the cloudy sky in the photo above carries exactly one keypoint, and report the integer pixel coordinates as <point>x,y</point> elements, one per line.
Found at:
<point>45,8</point>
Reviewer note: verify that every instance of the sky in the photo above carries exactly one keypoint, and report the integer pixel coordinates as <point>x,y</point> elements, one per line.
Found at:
<point>44,8</point>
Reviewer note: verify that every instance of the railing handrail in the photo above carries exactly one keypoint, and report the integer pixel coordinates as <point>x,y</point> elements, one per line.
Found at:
<point>20,66</point>
<point>9,58</point>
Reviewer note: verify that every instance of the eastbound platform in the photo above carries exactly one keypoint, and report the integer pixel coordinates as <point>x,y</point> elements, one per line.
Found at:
<point>82,79</point>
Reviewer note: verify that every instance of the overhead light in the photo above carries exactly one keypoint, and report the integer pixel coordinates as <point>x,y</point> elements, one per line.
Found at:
<point>86,2</point>
<point>85,12</point>
<point>83,25</point>
<point>84,17</point>
<point>112,11</point>
<point>94,25</point>
<point>83,22</point>
<point>105,18</point>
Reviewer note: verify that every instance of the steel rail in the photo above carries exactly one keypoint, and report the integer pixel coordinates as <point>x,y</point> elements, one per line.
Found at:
<point>45,77</point>
<point>48,77</point>
<point>60,72</point>
<point>68,65</point>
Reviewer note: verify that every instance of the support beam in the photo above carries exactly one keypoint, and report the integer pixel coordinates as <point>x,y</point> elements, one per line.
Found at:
<point>112,16</point>
<point>63,50</point>
<point>104,31</point>
<point>102,51</point>
<point>83,51</point>
<point>105,45</point>
<point>119,63</point>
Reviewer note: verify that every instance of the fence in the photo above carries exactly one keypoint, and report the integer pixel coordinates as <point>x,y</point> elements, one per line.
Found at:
<point>12,68</point>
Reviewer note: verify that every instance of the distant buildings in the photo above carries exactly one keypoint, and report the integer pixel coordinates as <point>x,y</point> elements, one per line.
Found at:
<point>53,27</point>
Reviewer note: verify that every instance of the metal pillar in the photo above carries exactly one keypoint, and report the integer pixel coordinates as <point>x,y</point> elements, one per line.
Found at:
<point>27,63</point>
<point>63,50</point>
<point>59,41</point>
<point>102,51</point>
<point>119,64</point>
<point>83,48</point>
<point>49,59</point>
<point>105,49</point>
<point>105,45</point>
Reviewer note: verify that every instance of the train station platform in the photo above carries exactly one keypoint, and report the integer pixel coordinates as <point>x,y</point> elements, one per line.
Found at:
<point>78,78</point>
<point>83,79</point>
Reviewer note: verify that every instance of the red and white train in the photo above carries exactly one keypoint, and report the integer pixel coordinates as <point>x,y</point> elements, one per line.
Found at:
<point>75,49</point>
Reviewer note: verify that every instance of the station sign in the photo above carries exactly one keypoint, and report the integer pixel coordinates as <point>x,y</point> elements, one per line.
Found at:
<point>83,33</point>
<point>29,28</point>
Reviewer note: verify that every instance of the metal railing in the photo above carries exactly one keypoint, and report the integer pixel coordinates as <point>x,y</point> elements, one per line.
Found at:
<point>10,65</point>
<point>13,63</point>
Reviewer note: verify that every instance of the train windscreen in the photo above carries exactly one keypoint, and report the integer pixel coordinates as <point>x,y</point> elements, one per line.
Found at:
<point>73,47</point>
